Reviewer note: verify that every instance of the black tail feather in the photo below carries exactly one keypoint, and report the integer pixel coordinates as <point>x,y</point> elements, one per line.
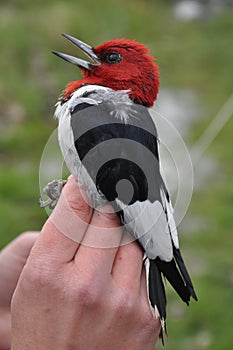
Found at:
<point>176,273</point>
<point>172,274</point>
<point>157,295</point>
<point>180,263</point>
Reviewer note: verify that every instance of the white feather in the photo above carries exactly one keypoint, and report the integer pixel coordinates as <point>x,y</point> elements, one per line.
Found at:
<point>147,222</point>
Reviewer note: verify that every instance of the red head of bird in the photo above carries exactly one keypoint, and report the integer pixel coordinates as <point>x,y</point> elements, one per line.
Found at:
<point>118,64</point>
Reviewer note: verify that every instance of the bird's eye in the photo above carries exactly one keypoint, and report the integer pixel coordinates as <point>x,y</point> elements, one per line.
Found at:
<point>113,57</point>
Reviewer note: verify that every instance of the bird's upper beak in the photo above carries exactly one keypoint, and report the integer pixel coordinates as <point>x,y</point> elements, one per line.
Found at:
<point>87,49</point>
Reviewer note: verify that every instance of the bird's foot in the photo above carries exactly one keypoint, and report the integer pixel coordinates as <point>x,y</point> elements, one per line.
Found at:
<point>53,191</point>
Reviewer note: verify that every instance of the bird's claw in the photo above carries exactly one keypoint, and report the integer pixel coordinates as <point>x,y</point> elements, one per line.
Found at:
<point>53,191</point>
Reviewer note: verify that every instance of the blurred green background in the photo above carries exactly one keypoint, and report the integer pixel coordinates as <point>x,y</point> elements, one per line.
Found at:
<point>194,52</point>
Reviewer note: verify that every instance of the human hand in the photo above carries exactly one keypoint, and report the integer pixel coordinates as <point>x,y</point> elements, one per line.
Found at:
<point>12,261</point>
<point>77,296</point>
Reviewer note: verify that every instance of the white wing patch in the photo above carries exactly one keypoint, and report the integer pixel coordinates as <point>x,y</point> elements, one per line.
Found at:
<point>147,222</point>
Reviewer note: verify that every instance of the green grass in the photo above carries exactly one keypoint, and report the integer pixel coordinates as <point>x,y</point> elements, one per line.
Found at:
<point>196,55</point>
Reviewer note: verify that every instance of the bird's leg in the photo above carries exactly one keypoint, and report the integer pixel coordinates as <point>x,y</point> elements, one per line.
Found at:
<point>53,191</point>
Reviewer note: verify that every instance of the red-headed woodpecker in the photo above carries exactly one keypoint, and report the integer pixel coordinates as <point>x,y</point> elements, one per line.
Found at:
<point>109,143</point>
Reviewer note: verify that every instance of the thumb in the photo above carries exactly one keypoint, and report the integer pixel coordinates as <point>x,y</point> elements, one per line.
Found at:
<point>66,226</point>
<point>73,212</point>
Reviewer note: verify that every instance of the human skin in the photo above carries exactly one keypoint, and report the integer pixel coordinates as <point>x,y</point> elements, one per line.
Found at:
<point>71,295</point>
<point>12,260</point>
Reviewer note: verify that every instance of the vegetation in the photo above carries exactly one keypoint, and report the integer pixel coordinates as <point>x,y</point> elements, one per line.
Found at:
<point>194,55</point>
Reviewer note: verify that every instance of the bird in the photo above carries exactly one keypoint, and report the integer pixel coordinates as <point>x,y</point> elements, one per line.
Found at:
<point>110,144</point>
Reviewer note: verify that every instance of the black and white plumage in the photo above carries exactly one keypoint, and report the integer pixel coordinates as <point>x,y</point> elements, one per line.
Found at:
<point>110,145</point>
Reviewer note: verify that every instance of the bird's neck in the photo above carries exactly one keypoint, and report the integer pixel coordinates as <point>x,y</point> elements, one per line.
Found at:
<point>143,94</point>
<point>71,87</point>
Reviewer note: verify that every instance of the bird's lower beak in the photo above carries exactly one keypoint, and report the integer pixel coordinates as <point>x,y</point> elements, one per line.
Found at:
<point>88,50</point>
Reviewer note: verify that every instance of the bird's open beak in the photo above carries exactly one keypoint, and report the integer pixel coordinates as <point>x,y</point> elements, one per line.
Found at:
<point>87,49</point>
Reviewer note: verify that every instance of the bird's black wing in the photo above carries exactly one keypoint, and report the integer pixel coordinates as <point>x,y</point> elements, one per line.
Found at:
<point>112,150</point>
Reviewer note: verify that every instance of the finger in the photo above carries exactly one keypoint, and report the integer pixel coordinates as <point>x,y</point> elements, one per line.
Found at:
<point>12,260</point>
<point>127,267</point>
<point>20,247</point>
<point>66,226</point>
<point>101,241</point>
